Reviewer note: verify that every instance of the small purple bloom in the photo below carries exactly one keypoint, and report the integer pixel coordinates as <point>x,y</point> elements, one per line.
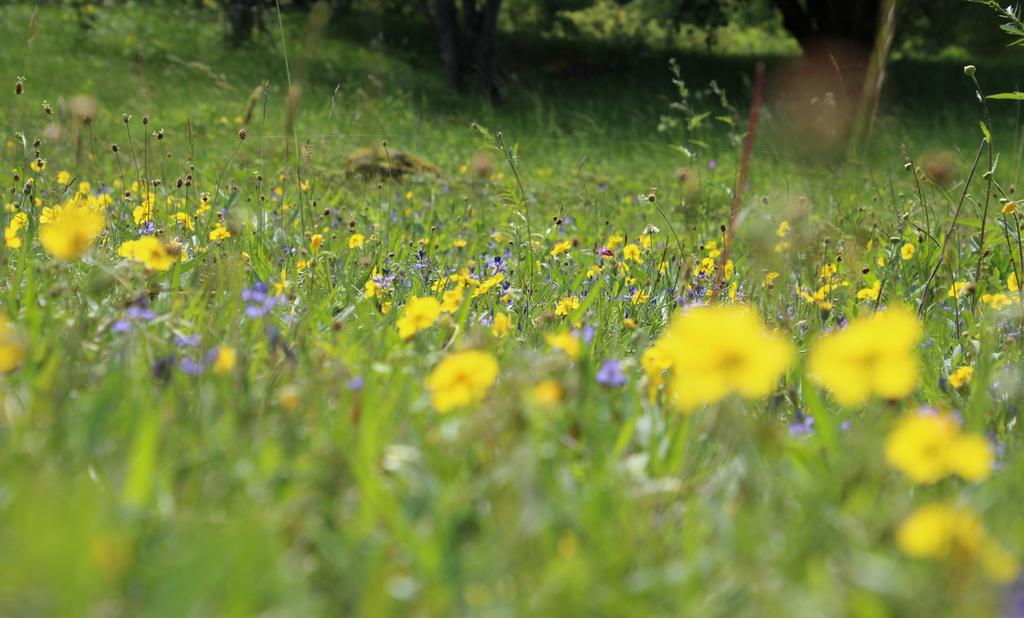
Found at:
<point>187,341</point>
<point>588,333</point>
<point>192,367</point>
<point>610,374</point>
<point>356,383</point>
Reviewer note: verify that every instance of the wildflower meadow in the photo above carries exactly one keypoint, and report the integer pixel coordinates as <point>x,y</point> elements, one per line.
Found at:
<point>615,314</point>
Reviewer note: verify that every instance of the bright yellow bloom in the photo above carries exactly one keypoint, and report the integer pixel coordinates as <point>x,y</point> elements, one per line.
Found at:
<point>356,241</point>
<point>226,359</point>
<point>12,349</point>
<point>632,252</point>
<point>149,250</point>
<point>420,314</point>
<point>567,305</point>
<point>500,326</point>
<point>63,177</point>
<point>657,362</point>
<point>17,223</point>
<point>719,350</point>
<point>959,289</point>
<point>870,293</point>
<point>945,531</point>
<point>452,300</point>
<point>183,218</point>
<point>1009,208</point>
<point>547,393</point>
<point>462,379</point>
<point>927,447</point>
<point>561,247</point>
<point>566,342</point>
<point>907,251</point>
<point>38,165</point>
<point>71,231</point>
<point>315,241</point>
<point>961,376</point>
<point>220,232</point>
<point>489,284</point>
<point>613,242</point>
<point>876,355</point>
<point>997,301</point>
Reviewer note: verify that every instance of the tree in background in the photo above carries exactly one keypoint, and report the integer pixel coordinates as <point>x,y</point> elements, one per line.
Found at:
<point>470,45</point>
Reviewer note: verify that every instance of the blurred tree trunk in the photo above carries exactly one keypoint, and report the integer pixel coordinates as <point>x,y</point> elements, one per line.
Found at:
<point>806,20</point>
<point>447,25</point>
<point>472,46</point>
<point>240,18</point>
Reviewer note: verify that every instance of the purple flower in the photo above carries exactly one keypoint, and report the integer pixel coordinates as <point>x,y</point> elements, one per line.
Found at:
<point>258,300</point>
<point>588,333</point>
<point>801,425</point>
<point>139,313</point>
<point>187,341</point>
<point>610,374</point>
<point>356,383</point>
<point>191,367</point>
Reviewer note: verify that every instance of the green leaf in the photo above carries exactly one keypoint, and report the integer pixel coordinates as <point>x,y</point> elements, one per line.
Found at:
<point>1007,96</point>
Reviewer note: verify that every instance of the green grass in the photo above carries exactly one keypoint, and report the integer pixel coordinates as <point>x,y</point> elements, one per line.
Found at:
<point>130,486</point>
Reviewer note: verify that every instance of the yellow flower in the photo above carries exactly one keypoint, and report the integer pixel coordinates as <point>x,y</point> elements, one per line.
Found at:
<point>489,284</point>
<point>945,531</point>
<point>315,241</point>
<point>17,223</point>
<point>226,359</point>
<point>657,362</point>
<point>500,326</point>
<point>719,350</point>
<point>63,177</point>
<point>38,165</point>
<point>961,376</point>
<point>149,250</point>
<point>959,289</point>
<point>71,231</point>
<point>632,252</point>
<point>547,393</point>
<point>769,279</point>
<point>876,355</point>
<point>420,314</point>
<point>566,342</point>
<point>613,242</point>
<point>452,300</point>
<point>183,218</point>
<point>997,301</point>
<point>12,350</point>
<point>355,241</point>
<point>567,305</point>
<point>870,293</point>
<point>783,229</point>
<point>907,251</point>
<point>561,247</point>
<point>927,447</point>
<point>1009,208</point>
<point>1011,283</point>
<point>459,243</point>
<point>462,379</point>
<point>220,232</point>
